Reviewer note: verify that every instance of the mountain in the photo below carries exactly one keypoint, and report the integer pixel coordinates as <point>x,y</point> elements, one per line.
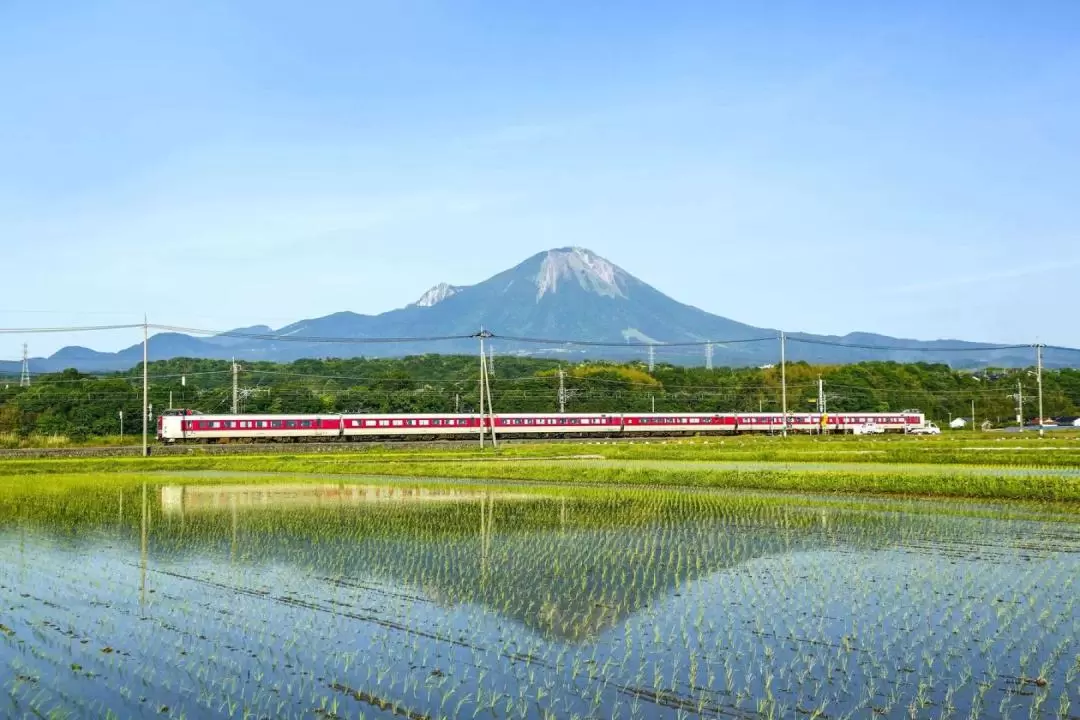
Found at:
<point>436,295</point>
<point>562,294</point>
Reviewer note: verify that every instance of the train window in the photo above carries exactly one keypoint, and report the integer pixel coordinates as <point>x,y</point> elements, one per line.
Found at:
<point>305,423</point>
<point>424,422</point>
<point>215,424</point>
<point>384,423</point>
<point>396,423</point>
<point>290,423</point>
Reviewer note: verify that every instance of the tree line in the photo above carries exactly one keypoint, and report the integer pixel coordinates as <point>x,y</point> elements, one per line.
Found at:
<point>80,405</point>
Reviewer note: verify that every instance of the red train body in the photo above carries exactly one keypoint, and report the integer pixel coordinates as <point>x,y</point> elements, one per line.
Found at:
<point>187,426</point>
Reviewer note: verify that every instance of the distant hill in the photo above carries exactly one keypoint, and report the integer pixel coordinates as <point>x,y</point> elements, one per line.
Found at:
<point>565,293</point>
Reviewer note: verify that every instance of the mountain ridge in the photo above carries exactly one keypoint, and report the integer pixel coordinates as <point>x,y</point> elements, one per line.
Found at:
<point>567,293</point>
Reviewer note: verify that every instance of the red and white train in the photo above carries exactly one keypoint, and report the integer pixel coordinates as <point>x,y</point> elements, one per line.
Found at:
<point>190,426</point>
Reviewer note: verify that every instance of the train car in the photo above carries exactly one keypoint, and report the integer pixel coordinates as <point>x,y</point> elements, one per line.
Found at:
<point>188,426</point>
<point>194,427</point>
<point>567,424</point>
<point>678,423</point>
<point>434,425</point>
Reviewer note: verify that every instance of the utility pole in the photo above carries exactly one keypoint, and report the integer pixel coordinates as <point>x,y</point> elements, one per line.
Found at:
<point>653,398</point>
<point>235,387</point>
<point>708,356</point>
<point>483,373</point>
<point>491,409</point>
<point>973,414</point>
<point>485,389</point>
<point>821,404</point>
<point>1038,376</point>
<point>783,380</point>
<point>652,358</point>
<point>1020,404</point>
<point>24,378</point>
<point>457,403</point>
<point>145,386</point>
<point>121,425</point>
<point>562,391</point>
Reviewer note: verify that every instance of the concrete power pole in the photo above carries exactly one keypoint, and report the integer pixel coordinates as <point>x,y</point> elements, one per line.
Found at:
<point>491,409</point>
<point>783,381</point>
<point>235,387</point>
<point>485,391</point>
<point>1020,404</point>
<point>652,358</point>
<point>822,407</point>
<point>483,374</point>
<point>708,356</point>
<point>24,378</point>
<point>1038,376</point>
<point>145,386</point>
<point>562,391</point>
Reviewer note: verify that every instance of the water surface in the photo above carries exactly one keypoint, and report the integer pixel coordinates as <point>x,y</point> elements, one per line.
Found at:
<point>336,599</point>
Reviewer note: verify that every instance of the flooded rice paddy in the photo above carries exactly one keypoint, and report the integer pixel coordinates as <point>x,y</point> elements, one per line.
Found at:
<point>424,600</point>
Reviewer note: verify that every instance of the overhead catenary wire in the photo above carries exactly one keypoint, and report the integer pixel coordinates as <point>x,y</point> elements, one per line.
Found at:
<point>796,338</point>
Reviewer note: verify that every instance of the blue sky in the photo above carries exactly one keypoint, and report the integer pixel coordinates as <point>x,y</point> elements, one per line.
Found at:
<point>903,168</point>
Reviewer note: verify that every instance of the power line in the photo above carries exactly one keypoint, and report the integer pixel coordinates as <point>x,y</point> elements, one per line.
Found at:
<point>972,347</point>
<point>73,328</point>
<point>312,339</point>
<point>860,346</point>
<point>601,343</point>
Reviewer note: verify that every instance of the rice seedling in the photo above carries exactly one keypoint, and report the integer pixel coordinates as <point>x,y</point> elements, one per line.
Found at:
<point>388,598</point>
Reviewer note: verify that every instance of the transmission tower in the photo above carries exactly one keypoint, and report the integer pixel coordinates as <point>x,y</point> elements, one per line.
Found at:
<point>24,378</point>
<point>562,391</point>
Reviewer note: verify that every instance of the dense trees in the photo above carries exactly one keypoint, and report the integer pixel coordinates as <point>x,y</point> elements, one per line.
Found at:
<point>80,405</point>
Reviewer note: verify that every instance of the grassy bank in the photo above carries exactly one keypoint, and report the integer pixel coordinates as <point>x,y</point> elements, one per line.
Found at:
<point>944,481</point>
<point>1056,450</point>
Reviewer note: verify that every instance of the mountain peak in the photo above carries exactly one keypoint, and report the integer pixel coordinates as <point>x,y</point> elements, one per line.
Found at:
<point>592,272</point>
<point>436,295</point>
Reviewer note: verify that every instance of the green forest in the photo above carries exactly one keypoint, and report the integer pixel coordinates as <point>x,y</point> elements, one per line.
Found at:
<point>81,406</point>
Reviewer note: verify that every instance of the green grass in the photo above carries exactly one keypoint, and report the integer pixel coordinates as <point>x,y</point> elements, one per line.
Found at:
<point>944,481</point>
<point>953,466</point>
<point>1057,449</point>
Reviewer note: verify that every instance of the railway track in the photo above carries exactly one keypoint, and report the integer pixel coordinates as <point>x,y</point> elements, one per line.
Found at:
<point>157,450</point>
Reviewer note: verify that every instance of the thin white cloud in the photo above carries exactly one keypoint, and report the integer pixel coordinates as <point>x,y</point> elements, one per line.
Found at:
<point>985,277</point>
